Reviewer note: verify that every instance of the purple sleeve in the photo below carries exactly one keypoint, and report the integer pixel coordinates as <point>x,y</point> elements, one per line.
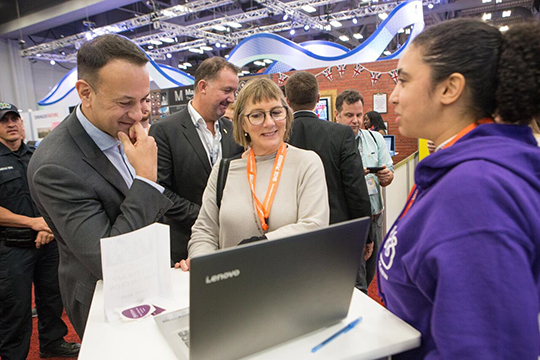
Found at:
<point>485,299</point>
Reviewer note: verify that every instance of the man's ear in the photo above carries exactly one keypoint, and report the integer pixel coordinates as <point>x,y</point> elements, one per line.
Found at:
<point>202,86</point>
<point>318,97</point>
<point>85,92</point>
<point>451,89</point>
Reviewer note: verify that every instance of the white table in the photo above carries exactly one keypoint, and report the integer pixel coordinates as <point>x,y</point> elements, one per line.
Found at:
<point>380,333</point>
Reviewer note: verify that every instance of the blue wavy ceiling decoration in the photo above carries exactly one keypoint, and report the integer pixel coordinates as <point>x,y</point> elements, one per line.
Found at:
<point>294,56</point>
<point>286,54</point>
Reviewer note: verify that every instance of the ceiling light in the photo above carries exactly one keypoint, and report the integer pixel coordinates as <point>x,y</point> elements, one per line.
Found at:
<point>259,63</point>
<point>358,36</point>
<point>187,64</point>
<point>195,50</point>
<point>227,56</point>
<point>292,32</point>
<point>430,6</point>
<point>168,13</point>
<point>309,8</point>
<point>155,42</point>
<point>386,52</point>
<point>38,55</point>
<point>268,61</point>
<point>207,48</point>
<point>344,38</point>
<point>507,13</point>
<point>486,16</point>
<point>383,16</point>
<point>504,28</point>
<point>52,62</point>
<point>168,40</point>
<point>306,27</point>
<point>335,23</point>
<point>401,31</point>
<point>219,27</point>
<point>234,24</point>
<point>150,47</point>
<point>498,1</point>
<point>218,45</point>
<point>407,31</point>
<point>285,17</point>
<point>245,72</point>
<point>168,55</point>
<point>181,66</point>
<point>355,21</point>
<point>486,1</point>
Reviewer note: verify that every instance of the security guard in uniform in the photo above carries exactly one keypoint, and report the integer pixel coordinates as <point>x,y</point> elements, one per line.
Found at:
<point>27,254</point>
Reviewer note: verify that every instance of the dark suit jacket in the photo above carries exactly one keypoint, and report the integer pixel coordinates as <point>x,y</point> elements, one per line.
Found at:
<point>183,169</point>
<point>83,198</point>
<point>335,144</point>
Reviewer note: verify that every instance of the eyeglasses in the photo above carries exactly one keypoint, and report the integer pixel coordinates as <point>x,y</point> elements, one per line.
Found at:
<point>258,117</point>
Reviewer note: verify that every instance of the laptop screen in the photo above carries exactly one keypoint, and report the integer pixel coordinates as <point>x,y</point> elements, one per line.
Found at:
<point>251,297</point>
<point>390,143</point>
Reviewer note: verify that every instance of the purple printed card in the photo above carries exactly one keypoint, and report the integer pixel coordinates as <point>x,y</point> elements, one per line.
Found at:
<point>137,312</point>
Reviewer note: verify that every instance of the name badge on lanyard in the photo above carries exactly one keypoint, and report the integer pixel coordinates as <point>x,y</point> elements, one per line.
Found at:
<point>263,210</point>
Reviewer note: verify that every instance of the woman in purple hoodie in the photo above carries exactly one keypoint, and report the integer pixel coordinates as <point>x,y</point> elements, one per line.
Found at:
<point>462,262</point>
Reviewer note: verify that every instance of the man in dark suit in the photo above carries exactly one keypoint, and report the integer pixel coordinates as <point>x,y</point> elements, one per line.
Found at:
<point>95,175</point>
<point>190,142</point>
<point>334,143</point>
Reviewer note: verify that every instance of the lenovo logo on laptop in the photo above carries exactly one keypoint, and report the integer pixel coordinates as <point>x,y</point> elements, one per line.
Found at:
<point>223,276</point>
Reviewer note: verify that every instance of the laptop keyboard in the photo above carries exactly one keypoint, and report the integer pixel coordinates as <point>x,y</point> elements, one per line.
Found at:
<point>184,335</point>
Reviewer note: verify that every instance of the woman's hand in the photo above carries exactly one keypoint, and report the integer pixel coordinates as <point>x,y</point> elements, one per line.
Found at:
<point>183,264</point>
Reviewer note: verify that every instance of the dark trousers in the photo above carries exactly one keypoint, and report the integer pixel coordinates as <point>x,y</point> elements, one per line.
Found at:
<point>366,269</point>
<point>19,267</point>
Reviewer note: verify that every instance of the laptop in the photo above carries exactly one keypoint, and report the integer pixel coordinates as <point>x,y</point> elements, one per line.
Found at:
<point>390,143</point>
<point>251,297</point>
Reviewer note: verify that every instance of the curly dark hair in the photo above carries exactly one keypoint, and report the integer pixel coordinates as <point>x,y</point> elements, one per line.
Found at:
<point>518,94</point>
<point>376,120</point>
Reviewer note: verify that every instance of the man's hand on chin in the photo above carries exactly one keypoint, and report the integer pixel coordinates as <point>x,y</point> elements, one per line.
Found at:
<point>141,151</point>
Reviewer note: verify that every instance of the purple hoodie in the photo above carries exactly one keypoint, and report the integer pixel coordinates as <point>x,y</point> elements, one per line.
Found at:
<point>463,264</point>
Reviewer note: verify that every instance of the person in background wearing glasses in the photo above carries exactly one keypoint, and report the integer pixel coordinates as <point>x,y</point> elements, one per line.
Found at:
<point>190,142</point>
<point>250,210</point>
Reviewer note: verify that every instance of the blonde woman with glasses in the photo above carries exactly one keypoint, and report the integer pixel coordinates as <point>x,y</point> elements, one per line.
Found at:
<point>274,190</point>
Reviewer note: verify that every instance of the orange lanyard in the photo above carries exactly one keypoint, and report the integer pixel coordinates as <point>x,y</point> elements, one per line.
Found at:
<point>414,191</point>
<point>263,210</point>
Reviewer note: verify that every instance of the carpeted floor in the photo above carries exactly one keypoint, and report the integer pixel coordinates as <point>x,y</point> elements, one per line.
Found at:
<point>33,354</point>
<point>72,336</point>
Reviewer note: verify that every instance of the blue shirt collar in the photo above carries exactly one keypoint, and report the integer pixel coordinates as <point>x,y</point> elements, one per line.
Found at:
<point>103,140</point>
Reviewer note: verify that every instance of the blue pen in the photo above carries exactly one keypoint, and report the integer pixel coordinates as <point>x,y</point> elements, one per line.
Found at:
<point>351,325</point>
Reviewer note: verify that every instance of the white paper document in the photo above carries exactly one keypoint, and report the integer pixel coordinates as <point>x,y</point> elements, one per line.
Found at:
<point>136,269</point>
